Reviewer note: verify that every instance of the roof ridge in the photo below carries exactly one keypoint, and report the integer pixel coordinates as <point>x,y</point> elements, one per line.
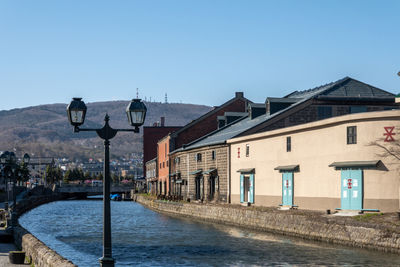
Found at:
<point>324,85</point>
<point>371,86</point>
<point>317,88</point>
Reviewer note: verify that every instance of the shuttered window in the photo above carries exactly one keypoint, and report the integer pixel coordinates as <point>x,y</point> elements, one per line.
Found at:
<point>352,135</point>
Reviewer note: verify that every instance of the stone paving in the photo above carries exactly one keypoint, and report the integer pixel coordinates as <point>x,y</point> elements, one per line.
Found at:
<point>4,261</point>
<point>5,248</point>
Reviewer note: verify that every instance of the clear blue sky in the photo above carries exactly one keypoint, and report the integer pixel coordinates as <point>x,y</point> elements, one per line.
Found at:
<point>195,51</point>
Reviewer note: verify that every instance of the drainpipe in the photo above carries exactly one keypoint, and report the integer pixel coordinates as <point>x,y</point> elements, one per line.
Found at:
<point>228,162</point>
<point>188,175</point>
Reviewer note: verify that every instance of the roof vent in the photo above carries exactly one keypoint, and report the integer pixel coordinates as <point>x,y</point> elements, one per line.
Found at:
<point>256,110</point>
<point>221,121</point>
<point>275,104</point>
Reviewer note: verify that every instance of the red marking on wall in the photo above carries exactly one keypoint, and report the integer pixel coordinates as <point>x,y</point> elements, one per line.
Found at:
<point>287,183</point>
<point>349,183</point>
<point>238,152</point>
<point>389,134</point>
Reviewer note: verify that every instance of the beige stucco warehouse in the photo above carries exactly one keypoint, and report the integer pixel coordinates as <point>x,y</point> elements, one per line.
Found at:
<point>313,148</point>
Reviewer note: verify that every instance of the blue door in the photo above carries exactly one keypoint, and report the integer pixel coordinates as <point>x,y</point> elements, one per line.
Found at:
<point>287,189</point>
<point>352,189</point>
<point>247,188</point>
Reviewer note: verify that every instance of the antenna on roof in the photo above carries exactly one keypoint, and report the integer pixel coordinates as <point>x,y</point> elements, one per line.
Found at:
<point>166,98</point>
<point>137,92</point>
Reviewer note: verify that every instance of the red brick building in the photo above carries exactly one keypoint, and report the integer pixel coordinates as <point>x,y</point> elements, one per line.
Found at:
<point>163,165</point>
<point>208,122</point>
<point>151,135</point>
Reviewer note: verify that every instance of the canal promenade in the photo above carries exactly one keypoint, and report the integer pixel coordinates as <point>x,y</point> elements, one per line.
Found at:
<point>6,245</point>
<point>37,253</point>
<point>148,249</point>
<point>4,261</point>
<point>374,231</point>
<point>143,237</point>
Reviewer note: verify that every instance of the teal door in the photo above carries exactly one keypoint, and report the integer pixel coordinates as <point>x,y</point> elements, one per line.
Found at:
<point>251,188</point>
<point>241,188</point>
<point>287,189</point>
<point>352,189</point>
<point>247,188</point>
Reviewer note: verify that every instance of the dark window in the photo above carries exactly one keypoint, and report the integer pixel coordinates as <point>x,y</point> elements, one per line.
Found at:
<point>167,163</point>
<point>324,112</point>
<point>358,109</point>
<point>352,135</point>
<point>213,155</point>
<point>163,164</point>
<point>247,150</point>
<point>198,157</point>
<point>165,155</point>
<point>288,144</point>
<point>160,165</point>
<point>177,160</point>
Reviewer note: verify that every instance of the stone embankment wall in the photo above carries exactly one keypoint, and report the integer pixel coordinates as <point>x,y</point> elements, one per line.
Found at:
<point>39,254</point>
<point>304,224</point>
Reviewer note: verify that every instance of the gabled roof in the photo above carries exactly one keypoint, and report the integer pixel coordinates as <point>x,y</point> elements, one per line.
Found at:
<point>346,87</point>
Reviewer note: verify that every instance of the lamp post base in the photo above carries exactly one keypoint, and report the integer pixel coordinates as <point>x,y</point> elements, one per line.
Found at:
<point>13,219</point>
<point>106,262</point>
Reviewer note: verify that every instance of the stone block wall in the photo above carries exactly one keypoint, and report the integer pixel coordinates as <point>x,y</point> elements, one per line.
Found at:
<point>220,163</point>
<point>39,254</point>
<point>223,172</point>
<point>307,225</point>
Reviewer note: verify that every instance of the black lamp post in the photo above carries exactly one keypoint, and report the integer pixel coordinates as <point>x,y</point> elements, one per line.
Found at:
<point>136,112</point>
<point>10,168</point>
<point>3,159</point>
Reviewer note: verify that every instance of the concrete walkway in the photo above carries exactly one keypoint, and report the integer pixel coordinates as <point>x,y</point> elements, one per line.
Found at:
<point>5,247</point>
<point>4,261</point>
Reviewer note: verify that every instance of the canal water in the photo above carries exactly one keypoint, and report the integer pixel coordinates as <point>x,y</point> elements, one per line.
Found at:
<point>142,237</point>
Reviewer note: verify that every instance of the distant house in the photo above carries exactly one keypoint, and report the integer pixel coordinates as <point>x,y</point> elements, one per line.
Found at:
<point>93,168</point>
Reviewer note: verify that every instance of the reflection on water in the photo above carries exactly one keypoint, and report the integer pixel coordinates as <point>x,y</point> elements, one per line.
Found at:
<point>142,237</point>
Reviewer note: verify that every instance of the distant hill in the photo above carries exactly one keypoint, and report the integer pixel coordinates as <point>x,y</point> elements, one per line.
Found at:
<point>45,131</point>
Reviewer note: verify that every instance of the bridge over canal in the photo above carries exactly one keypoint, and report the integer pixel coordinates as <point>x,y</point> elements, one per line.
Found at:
<point>83,191</point>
